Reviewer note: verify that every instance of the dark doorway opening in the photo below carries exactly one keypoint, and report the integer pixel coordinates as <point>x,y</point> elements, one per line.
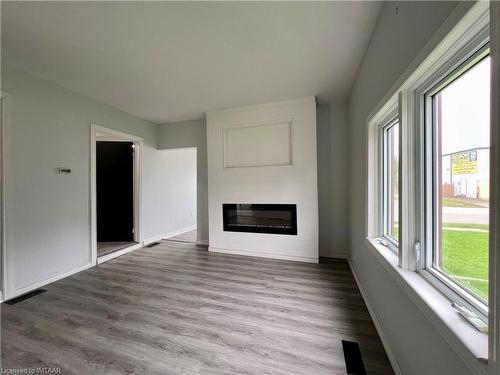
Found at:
<point>114,196</point>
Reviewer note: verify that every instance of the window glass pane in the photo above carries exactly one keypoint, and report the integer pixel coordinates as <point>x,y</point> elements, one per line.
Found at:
<point>461,198</point>
<point>392,181</point>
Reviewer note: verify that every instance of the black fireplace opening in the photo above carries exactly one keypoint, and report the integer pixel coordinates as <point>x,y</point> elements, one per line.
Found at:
<point>260,218</point>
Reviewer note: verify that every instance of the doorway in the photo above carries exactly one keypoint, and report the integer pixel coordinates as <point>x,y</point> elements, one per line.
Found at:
<point>114,196</point>
<point>182,212</point>
<point>115,193</point>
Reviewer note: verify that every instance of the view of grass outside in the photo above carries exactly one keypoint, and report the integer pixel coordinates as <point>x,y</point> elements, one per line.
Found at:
<point>465,255</point>
<point>461,202</point>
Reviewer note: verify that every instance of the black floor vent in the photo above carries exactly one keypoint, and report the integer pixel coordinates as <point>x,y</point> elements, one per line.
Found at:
<point>33,293</point>
<point>152,244</point>
<point>353,360</point>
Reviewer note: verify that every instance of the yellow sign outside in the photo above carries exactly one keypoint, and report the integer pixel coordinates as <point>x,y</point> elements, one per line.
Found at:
<point>464,163</point>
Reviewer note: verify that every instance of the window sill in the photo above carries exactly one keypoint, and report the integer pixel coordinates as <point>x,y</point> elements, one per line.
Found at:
<point>470,344</point>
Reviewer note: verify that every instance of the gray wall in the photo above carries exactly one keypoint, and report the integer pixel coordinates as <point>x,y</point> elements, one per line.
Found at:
<point>48,215</point>
<point>333,186</point>
<point>418,347</point>
<point>191,133</point>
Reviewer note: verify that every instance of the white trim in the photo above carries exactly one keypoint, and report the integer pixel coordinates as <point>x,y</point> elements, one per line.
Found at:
<point>375,170</point>
<point>470,344</point>
<point>4,123</point>
<point>107,257</point>
<point>390,119</point>
<point>262,255</point>
<point>123,136</point>
<point>376,322</point>
<point>139,143</point>
<point>93,195</point>
<point>39,284</point>
<point>170,234</point>
<point>408,201</point>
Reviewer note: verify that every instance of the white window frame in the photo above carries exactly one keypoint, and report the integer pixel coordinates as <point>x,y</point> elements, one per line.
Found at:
<point>393,243</point>
<point>460,36</point>
<point>409,106</point>
<point>462,62</point>
<point>376,180</point>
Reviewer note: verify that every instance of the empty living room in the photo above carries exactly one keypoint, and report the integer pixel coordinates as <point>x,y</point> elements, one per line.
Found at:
<point>240,187</point>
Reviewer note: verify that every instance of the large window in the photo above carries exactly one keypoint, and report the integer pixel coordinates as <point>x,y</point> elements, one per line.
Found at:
<point>428,185</point>
<point>429,175</point>
<point>457,186</point>
<point>390,143</point>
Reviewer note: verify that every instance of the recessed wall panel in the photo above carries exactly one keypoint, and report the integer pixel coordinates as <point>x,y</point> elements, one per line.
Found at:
<point>258,146</point>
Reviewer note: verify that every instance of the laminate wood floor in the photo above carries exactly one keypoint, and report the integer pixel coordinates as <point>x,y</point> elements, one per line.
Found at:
<point>185,237</point>
<point>177,309</point>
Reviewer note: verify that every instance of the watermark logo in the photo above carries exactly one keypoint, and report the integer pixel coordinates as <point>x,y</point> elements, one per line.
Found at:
<point>31,370</point>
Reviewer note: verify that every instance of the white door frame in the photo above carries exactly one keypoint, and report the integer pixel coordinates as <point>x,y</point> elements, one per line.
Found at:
<point>4,123</point>
<point>115,135</point>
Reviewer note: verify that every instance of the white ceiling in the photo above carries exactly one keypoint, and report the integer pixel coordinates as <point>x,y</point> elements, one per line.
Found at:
<point>173,61</point>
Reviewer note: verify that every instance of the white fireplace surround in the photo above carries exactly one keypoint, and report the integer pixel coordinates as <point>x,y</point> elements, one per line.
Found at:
<point>264,154</point>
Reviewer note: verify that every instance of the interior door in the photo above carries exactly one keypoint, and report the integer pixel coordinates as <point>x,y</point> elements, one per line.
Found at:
<point>115,191</point>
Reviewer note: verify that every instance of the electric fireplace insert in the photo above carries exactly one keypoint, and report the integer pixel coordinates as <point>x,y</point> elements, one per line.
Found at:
<point>260,218</point>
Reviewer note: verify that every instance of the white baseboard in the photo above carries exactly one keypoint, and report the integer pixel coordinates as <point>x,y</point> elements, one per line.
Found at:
<point>118,253</point>
<point>169,234</point>
<point>376,322</point>
<point>29,288</point>
<point>262,255</point>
